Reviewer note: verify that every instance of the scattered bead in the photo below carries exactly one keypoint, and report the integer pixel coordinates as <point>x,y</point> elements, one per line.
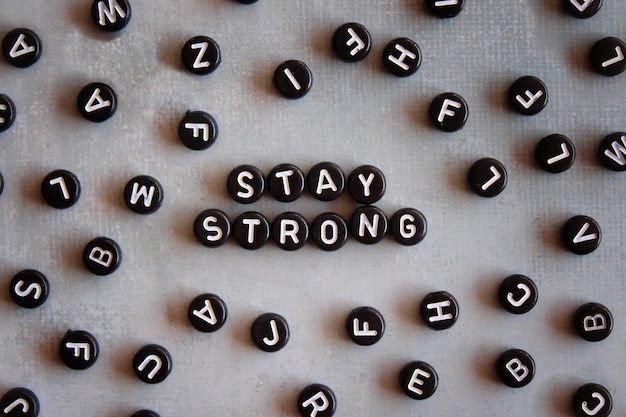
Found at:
<point>448,112</point>
<point>285,182</point>
<point>592,400</point>
<point>352,42</point>
<point>197,130</point>
<point>293,79</point>
<point>581,235</point>
<point>143,194</point>
<point>487,177</point>
<point>402,57</point>
<point>366,184</point>
<point>207,313</point>
<point>7,112</point>
<point>290,231</point>
<point>418,380</point>
<point>516,368</point>
<point>329,231</point>
<point>201,55</point>
<point>582,9</point>
<point>60,189</point>
<point>613,151</point>
<point>97,102</point>
<point>555,153</point>
<point>251,230</point>
<point>607,56</point>
<point>365,325</point>
<point>21,47</point>
<point>518,294</point>
<point>368,224</point>
<point>245,184</point>
<point>19,402</point>
<point>246,1</point>
<point>102,256</point>
<point>79,349</point>
<point>146,413</point>
<point>445,9</point>
<point>528,95</point>
<point>212,228</point>
<point>111,15</point>
<point>317,400</point>
<point>326,181</point>
<point>270,332</point>
<point>29,288</point>
<point>152,364</point>
<point>593,322</point>
<point>408,226</point>
<point>439,310</point>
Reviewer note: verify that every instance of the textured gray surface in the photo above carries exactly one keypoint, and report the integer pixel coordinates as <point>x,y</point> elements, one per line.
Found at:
<point>355,114</point>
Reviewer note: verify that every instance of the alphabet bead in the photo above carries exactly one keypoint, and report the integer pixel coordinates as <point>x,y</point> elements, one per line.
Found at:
<point>516,368</point>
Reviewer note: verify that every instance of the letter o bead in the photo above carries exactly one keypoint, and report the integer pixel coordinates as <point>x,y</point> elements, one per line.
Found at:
<point>329,231</point>
<point>212,228</point>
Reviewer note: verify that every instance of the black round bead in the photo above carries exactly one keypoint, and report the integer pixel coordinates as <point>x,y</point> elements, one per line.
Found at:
<point>290,231</point>
<point>528,95</point>
<point>368,224</point>
<point>293,79</point>
<point>487,177</point>
<point>326,181</point>
<point>201,55</point>
<point>197,130</point>
<point>365,325</point>
<point>352,42</point>
<point>270,332</point>
<point>592,400</point>
<point>60,189</point>
<point>29,288</point>
<point>607,56</point>
<point>102,256</point>
<point>555,153</point>
<point>251,230</point>
<point>245,184</point>
<point>581,235</point>
<point>152,364</point>
<point>79,349</point>
<point>418,380</point>
<point>111,16</point>
<point>408,226</point>
<point>143,194</point>
<point>317,400</point>
<point>439,310</point>
<point>445,10</point>
<point>212,228</point>
<point>593,322</point>
<point>518,294</point>
<point>366,184</point>
<point>97,102</point>
<point>207,313</point>
<point>402,57</point>
<point>21,47</point>
<point>7,112</point>
<point>516,368</point>
<point>329,231</point>
<point>19,402</point>
<point>285,182</point>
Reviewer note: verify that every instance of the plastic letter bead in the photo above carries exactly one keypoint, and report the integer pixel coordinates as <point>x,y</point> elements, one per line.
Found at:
<point>29,288</point>
<point>593,322</point>
<point>251,230</point>
<point>290,231</point>
<point>212,228</point>
<point>439,310</point>
<point>102,256</point>
<point>317,400</point>
<point>581,235</point>
<point>79,349</point>
<point>419,380</point>
<point>352,42</point>
<point>21,47</point>
<point>143,194</point>
<point>365,325</point>
<point>329,231</point>
<point>152,364</point>
<point>245,184</point>
<point>402,57</point>
<point>201,55</point>
<point>197,130</point>
<point>326,181</point>
<point>207,313</point>
<point>293,79</point>
<point>592,400</point>
<point>111,15</point>
<point>448,112</point>
<point>285,182</point>
<point>516,368</point>
<point>97,102</point>
<point>19,402</point>
<point>270,332</point>
<point>528,95</point>
<point>408,226</point>
<point>60,189</point>
<point>607,56</point>
<point>7,112</point>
